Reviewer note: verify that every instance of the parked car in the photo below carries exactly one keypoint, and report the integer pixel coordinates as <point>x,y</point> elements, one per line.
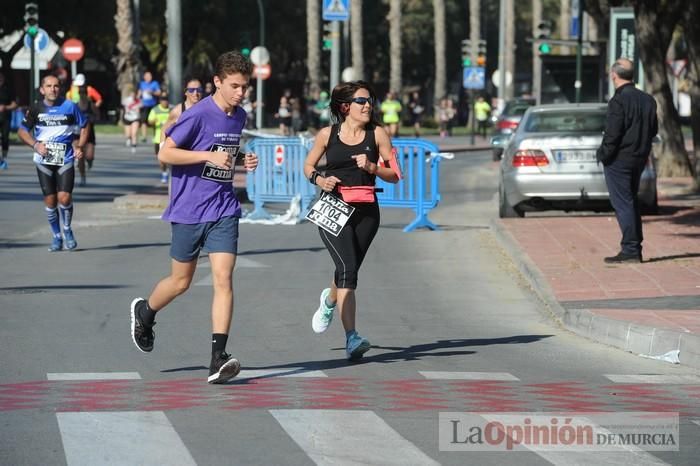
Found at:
<point>549,163</point>
<point>507,122</point>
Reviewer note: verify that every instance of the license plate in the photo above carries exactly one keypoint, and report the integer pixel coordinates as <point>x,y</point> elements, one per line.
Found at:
<point>576,156</point>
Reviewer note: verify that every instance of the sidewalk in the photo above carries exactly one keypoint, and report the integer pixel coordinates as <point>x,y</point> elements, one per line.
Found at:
<point>652,308</point>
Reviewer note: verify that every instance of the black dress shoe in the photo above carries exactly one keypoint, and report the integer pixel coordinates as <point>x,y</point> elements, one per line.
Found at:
<point>622,258</point>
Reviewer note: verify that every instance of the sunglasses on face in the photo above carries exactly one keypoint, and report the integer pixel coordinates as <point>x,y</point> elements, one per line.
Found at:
<point>363,100</point>
<point>192,90</point>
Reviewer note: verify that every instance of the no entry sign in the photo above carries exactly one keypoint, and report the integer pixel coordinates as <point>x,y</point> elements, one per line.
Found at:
<point>73,50</point>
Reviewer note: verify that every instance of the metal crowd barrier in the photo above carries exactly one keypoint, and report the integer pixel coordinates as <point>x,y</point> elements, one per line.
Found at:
<point>280,177</point>
<point>419,188</point>
<point>280,174</point>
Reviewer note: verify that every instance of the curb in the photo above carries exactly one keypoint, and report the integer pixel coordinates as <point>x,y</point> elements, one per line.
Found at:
<point>645,341</point>
<point>141,201</point>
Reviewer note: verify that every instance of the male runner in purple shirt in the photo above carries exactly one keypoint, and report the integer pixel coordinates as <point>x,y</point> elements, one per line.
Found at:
<point>202,148</point>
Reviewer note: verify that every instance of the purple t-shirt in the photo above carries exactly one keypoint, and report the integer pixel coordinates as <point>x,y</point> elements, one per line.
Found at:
<point>203,192</point>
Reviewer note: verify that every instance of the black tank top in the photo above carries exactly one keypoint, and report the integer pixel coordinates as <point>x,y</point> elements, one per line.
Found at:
<point>339,161</point>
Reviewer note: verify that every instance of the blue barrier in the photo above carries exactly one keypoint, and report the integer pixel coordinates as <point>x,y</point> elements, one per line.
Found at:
<point>279,180</point>
<point>412,191</point>
<point>280,174</point>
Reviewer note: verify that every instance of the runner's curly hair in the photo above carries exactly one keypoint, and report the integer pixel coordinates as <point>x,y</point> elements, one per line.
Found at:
<point>232,62</point>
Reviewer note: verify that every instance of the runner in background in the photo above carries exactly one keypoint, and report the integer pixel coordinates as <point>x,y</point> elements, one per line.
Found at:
<point>131,117</point>
<point>193,94</point>
<point>8,102</point>
<point>91,113</point>
<point>149,91</point>
<point>353,147</point>
<point>157,118</point>
<point>48,128</point>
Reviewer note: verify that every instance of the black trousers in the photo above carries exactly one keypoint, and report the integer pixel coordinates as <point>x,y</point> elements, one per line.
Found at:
<point>623,186</point>
<point>5,118</point>
<point>349,248</point>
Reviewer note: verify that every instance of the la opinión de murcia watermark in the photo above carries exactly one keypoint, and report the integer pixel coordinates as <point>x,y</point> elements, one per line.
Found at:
<point>595,431</point>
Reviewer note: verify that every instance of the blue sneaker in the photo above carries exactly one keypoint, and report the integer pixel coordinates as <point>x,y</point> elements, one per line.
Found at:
<point>164,178</point>
<point>323,315</point>
<point>56,244</point>
<point>356,346</point>
<point>71,243</point>
<point>3,164</point>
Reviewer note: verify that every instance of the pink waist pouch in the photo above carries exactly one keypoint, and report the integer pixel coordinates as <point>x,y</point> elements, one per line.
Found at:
<point>357,193</point>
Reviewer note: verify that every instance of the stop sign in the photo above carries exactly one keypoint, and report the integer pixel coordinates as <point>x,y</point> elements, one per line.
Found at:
<point>73,50</point>
<point>263,71</point>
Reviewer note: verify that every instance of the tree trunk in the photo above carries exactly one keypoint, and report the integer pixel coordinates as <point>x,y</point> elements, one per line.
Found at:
<point>395,83</point>
<point>313,45</point>
<point>692,32</point>
<point>127,61</point>
<point>440,63</point>
<point>655,26</point>
<point>358,55</point>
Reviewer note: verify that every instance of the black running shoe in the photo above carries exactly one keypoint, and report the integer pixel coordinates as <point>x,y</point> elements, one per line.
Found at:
<point>223,367</point>
<point>141,334</point>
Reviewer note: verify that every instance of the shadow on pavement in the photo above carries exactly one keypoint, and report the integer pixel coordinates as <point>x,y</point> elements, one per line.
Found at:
<point>689,255</point>
<point>409,353</point>
<point>41,289</point>
<point>129,246</point>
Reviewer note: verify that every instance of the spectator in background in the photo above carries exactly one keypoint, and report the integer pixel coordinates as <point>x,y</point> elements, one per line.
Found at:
<point>149,90</point>
<point>249,108</point>
<point>8,103</point>
<point>90,112</point>
<point>74,92</point>
<point>131,117</point>
<point>208,89</point>
<point>415,105</point>
<point>284,116</point>
<point>391,114</point>
<point>322,109</point>
<point>482,113</point>
<point>446,114</point>
<point>630,126</point>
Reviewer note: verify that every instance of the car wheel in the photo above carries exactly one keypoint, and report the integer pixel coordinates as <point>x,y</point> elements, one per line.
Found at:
<point>505,210</point>
<point>496,154</point>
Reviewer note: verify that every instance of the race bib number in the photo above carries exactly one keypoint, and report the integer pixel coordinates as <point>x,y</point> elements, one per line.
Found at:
<point>330,213</point>
<point>214,173</point>
<point>55,153</point>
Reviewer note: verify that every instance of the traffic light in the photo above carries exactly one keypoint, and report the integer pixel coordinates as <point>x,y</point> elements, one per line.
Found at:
<point>31,19</point>
<point>481,53</point>
<point>544,30</point>
<point>466,52</point>
<point>245,51</point>
<point>327,36</point>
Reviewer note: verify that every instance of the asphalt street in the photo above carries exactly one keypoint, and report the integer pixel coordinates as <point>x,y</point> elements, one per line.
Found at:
<point>453,326</point>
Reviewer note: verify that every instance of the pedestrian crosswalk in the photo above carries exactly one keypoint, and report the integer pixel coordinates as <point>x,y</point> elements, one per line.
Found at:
<point>325,436</point>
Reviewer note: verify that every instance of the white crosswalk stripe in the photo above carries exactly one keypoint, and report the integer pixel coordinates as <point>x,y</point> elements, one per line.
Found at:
<point>654,378</point>
<point>121,438</point>
<point>335,437</point>
<point>287,372</point>
<point>93,376</point>
<point>498,376</point>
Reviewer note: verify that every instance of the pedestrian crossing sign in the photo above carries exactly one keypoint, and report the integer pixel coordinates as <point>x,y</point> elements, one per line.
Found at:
<point>336,10</point>
<point>474,77</point>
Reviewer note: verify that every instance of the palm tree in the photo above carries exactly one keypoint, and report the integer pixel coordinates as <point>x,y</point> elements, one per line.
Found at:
<point>394,18</point>
<point>440,64</point>
<point>358,59</point>
<point>313,41</point>
<point>127,61</point>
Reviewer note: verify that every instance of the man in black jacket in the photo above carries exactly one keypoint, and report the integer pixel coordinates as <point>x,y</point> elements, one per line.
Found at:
<point>631,124</point>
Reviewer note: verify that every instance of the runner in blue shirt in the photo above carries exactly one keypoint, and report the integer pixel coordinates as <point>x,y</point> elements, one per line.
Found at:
<point>149,92</point>
<point>48,127</point>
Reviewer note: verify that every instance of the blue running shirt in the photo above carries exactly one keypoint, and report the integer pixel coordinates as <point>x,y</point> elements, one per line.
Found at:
<point>54,125</point>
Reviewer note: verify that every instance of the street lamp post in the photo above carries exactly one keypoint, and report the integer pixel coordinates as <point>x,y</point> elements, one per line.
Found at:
<point>259,89</point>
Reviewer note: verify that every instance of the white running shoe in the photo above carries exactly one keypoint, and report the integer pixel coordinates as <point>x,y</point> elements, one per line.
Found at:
<point>323,315</point>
